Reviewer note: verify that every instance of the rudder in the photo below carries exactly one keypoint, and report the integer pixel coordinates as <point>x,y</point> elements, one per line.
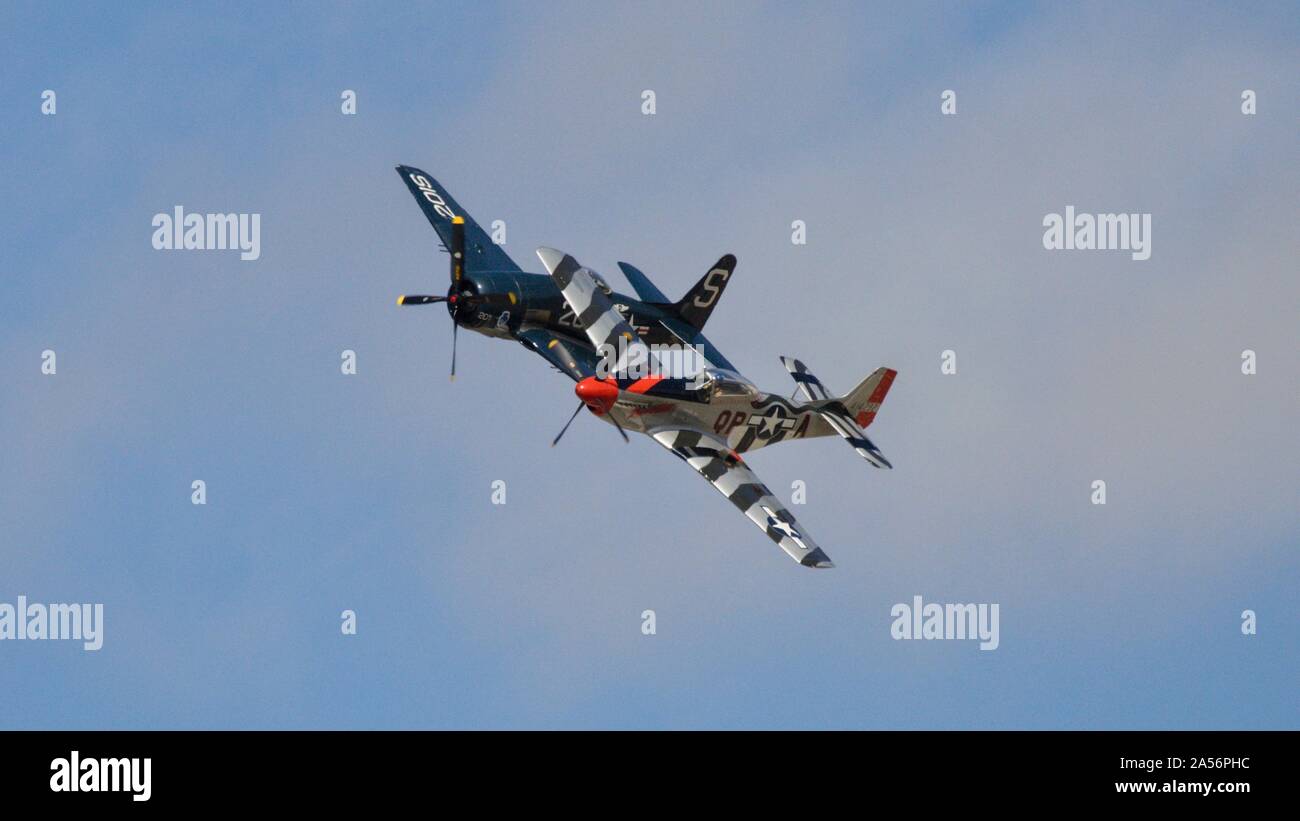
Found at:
<point>864,401</point>
<point>699,301</point>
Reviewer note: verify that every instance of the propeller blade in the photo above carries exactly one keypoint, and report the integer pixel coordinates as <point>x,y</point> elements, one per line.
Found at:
<point>556,440</point>
<point>419,299</point>
<point>620,430</point>
<point>454,326</point>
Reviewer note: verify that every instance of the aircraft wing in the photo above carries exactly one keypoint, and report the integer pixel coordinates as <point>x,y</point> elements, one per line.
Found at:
<point>691,336</point>
<point>574,361</point>
<point>726,471</point>
<point>594,310</point>
<point>481,253</point>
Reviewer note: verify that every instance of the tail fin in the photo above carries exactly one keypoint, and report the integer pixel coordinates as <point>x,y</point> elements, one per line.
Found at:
<point>698,303</point>
<point>848,415</point>
<point>863,401</point>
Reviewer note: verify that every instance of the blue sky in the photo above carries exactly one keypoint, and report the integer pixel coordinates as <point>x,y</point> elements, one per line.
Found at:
<point>372,492</point>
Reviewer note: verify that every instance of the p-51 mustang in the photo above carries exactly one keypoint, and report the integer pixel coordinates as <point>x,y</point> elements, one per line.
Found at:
<point>573,319</point>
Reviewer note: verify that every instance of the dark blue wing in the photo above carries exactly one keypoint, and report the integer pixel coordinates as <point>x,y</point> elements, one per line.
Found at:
<point>481,253</point>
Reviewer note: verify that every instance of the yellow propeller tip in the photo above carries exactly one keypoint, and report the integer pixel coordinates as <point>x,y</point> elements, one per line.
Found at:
<point>401,299</point>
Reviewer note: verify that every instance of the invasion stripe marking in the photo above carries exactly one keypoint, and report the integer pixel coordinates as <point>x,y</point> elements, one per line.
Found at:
<point>746,495</point>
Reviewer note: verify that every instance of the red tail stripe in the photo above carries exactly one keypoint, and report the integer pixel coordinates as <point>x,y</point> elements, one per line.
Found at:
<point>877,396</point>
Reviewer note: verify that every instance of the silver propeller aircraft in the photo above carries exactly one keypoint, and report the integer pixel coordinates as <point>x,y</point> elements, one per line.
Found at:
<point>611,346</point>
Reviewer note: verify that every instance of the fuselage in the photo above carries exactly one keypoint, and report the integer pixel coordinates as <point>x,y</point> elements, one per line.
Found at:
<point>725,401</point>
<point>504,302</point>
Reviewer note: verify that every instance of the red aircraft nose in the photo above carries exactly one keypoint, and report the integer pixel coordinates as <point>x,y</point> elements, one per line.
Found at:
<point>598,396</point>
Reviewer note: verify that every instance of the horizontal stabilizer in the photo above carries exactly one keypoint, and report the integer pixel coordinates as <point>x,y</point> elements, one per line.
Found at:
<point>809,385</point>
<point>854,435</point>
<point>642,285</point>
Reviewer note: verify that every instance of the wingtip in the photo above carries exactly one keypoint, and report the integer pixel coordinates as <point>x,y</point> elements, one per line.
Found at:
<point>550,257</point>
<point>818,559</point>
